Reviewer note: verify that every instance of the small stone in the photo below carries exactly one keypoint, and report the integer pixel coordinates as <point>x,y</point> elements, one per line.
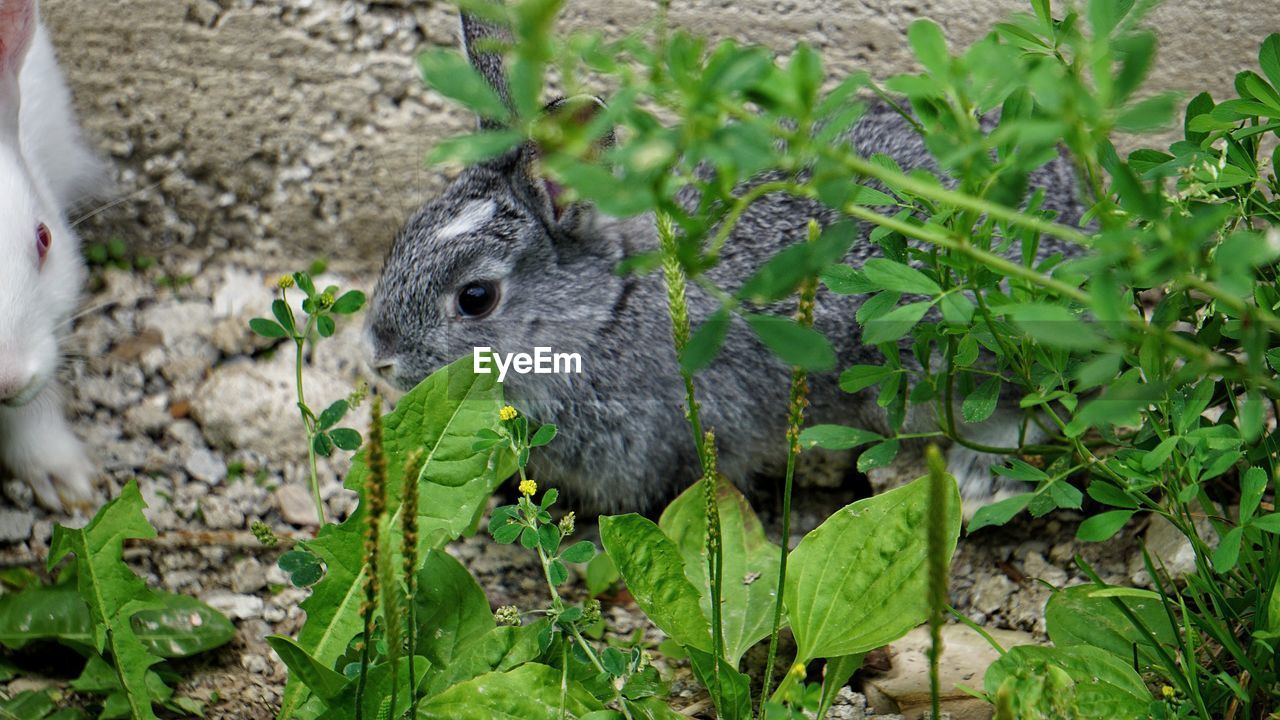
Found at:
<point>148,417</point>
<point>15,525</point>
<point>904,688</point>
<point>206,467</point>
<point>1170,548</point>
<point>248,576</point>
<point>256,664</point>
<point>296,505</point>
<point>220,514</point>
<point>234,605</point>
<point>19,493</point>
<point>1036,567</point>
<point>990,593</point>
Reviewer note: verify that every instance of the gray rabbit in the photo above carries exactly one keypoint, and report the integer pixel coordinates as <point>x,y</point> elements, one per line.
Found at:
<point>495,262</point>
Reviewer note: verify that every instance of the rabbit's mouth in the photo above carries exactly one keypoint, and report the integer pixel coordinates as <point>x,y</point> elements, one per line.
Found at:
<point>21,395</point>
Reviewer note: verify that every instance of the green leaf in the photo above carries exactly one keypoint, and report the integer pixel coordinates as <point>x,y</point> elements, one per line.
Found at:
<point>502,649</point>
<point>332,415</point>
<point>325,682</point>
<point>346,439</point>
<point>1106,687</point>
<point>1076,616</point>
<point>1153,113</point>
<point>449,74</point>
<point>782,274</point>
<point>794,343</point>
<point>891,327</point>
<point>452,605</point>
<point>899,277</point>
<point>529,692</point>
<point>930,46</point>
<point>981,403</point>
<point>349,303</point>
<point>1269,58</point>
<point>1160,453</point>
<point>180,625</point>
<point>860,377</point>
<point>860,580</point>
<point>1267,523</point>
<point>442,416</point>
<point>1253,483</point>
<point>957,309</point>
<point>545,434</point>
<point>705,343</point>
<point>878,456</point>
<point>749,563</point>
<point>1228,551</point>
<point>653,569</point>
<point>729,689</point>
<point>1054,326</point>
<point>844,280</point>
<point>579,552</point>
<point>998,513</point>
<point>281,310</point>
<point>304,568</point>
<point>837,437</point>
<point>468,150</point>
<point>267,328</point>
<point>601,574</point>
<point>113,593</point>
<point>1103,526</point>
<point>326,326</point>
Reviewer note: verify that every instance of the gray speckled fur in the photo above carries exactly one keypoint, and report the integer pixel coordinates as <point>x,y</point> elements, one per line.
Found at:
<point>624,443</point>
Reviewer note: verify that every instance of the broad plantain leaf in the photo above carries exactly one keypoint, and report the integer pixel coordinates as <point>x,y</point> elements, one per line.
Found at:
<point>530,692</point>
<point>653,569</point>
<point>859,580</point>
<point>750,563</point>
<point>1106,687</point>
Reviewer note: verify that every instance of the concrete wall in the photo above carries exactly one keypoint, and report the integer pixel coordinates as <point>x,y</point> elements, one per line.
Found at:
<point>302,123</point>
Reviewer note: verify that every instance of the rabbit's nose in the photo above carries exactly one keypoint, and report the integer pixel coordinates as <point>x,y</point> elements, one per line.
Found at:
<point>16,384</point>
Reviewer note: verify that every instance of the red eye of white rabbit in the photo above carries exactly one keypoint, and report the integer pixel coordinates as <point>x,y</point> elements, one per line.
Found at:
<point>43,240</point>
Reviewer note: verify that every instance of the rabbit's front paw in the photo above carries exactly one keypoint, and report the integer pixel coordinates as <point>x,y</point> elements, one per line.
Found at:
<point>37,446</point>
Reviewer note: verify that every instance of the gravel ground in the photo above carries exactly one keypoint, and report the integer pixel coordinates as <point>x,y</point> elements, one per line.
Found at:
<point>170,387</point>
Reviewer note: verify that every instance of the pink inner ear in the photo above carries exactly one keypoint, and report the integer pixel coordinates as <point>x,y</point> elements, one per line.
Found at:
<point>17,27</point>
<point>555,191</point>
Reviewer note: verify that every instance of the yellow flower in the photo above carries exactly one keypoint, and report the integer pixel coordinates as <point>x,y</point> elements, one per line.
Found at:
<point>507,413</point>
<point>528,487</point>
<point>285,282</point>
<point>1167,691</point>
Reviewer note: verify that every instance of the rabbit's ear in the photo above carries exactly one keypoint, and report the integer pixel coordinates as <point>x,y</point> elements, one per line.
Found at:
<point>578,111</point>
<point>483,41</point>
<point>17,28</point>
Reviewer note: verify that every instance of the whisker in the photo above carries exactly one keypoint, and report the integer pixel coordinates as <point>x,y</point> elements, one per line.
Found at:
<point>118,201</point>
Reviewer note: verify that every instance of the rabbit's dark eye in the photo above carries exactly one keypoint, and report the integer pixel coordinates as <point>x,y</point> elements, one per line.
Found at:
<point>477,299</point>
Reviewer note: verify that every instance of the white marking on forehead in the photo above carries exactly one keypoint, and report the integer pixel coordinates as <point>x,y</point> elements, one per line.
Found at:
<point>475,214</point>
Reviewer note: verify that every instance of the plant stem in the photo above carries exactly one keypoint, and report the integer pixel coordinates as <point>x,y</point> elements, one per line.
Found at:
<point>938,497</point>
<point>798,400</point>
<point>307,423</point>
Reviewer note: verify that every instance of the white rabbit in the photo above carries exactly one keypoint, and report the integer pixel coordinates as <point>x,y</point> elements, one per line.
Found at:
<point>45,167</point>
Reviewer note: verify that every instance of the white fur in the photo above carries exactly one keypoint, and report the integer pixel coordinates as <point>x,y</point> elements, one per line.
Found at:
<point>473,216</point>
<point>45,167</point>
